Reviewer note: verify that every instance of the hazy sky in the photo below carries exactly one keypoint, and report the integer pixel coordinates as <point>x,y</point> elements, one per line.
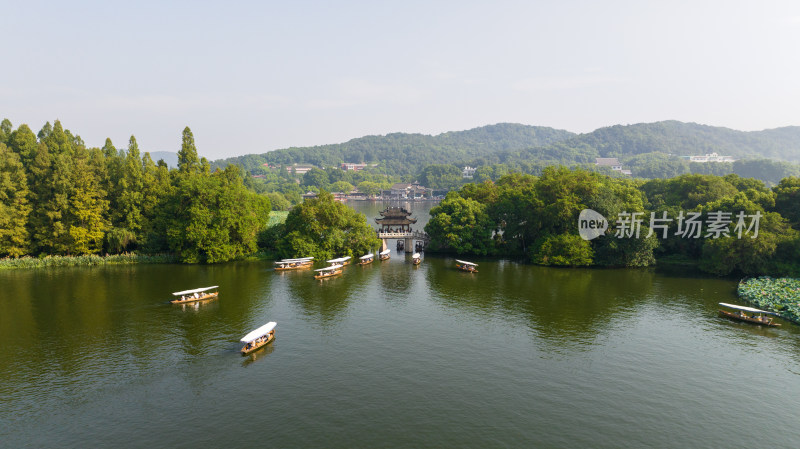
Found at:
<point>249,77</point>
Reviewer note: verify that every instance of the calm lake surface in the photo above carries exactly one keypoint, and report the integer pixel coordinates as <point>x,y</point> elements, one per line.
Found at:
<point>389,355</point>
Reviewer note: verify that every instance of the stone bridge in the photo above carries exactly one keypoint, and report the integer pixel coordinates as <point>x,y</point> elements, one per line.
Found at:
<point>410,237</point>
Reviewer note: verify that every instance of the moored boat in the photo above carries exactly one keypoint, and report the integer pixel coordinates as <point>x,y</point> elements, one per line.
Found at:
<point>294,264</point>
<point>259,338</point>
<point>327,272</point>
<point>197,294</point>
<point>366,259</point>
<point>467,266</point>
<point>340,261</point>
<point>416,259</point>
<point>385,254</point>
<point>758,317</point>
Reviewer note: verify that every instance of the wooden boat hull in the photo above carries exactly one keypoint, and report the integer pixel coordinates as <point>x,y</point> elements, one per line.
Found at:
<point>747,319</point>
<point>416,261</point>
<point>386,257</point>
<point>468,270</point>
<point>300,267</point>
<point>199,298</point>
<point>257,346</point>
<point>324,276</point>
<point>366,263</point>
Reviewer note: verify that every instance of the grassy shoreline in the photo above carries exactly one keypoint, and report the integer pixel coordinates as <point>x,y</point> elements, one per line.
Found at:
<point>83,261</point>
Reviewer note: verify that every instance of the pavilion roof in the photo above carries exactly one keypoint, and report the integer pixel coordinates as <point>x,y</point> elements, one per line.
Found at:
<point>390,221</point>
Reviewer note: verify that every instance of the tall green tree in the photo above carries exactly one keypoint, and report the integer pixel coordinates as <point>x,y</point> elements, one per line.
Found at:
<point>14,205</point>
<point>87,207</point>
<point>23,142</point>
<point>132,187</point>
<point>188,162</point>
<point>5,130</point>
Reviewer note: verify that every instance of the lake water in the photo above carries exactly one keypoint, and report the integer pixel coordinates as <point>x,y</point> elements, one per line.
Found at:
<point>389,355</point>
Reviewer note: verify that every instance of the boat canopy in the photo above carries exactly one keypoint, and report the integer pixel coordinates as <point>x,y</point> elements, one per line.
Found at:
<point>415,256</point>
<point>304,259</point>
<point>332,267</point>
<point>745,308</point>
<point>339,260</point>
<point>260,332</point>
<point>196,290</point>
<point>385,252</point>
<point>466,263</point>
<point>368,256</point>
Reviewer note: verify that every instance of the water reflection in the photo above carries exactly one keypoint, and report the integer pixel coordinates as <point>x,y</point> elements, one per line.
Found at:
<point>562,305</point>
<point>327,298</point>
<point>259,354</point>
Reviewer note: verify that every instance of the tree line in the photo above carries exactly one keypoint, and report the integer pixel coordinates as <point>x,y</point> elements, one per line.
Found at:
<point>536,217</point>
<point>58,197</point>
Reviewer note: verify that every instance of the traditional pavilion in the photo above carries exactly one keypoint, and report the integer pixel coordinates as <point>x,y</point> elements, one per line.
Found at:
<point>395,219</point>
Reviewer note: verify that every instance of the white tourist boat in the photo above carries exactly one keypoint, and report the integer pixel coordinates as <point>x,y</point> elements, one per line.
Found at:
<point>259,338</point>
<point>294,264</point>
<point>467,266</point>
<point>385,254</point>
<point>197,294</point>
<point>327,272</point>
<point>340,261</point>
<point>416,259</point>
<point>366,259</point>
<point>758,316</point>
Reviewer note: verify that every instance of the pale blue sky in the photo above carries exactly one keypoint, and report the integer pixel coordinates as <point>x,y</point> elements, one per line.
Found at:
<point>255,76</point>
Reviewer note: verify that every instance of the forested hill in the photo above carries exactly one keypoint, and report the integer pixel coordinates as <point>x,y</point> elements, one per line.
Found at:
<point>508,143</point>
<point>684,139</point>
<point>406,153</point>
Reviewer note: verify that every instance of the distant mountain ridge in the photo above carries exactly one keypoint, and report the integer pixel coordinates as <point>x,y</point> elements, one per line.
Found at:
<point>404,153</point>
<point>685,139</point>
<point>407,153</point>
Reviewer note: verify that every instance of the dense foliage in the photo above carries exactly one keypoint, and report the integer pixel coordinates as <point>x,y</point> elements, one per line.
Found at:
<point>324,228</point>
<point>537,217</point>
<point>58,197</point>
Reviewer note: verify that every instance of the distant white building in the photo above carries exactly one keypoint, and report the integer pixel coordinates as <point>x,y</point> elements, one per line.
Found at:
<point>611,162</point>
<point>713,157</point>
<point>468,172</point>
<point>608,162</point>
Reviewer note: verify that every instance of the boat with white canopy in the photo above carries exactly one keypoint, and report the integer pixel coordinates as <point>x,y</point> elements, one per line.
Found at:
<point>340,261</point>
<point>197,294</point>
<point>294,264</point>
<point>385,254</point>
<point>467,266</point>
<point>416,259</point>
<point>327,272</point>
<point>758,316</point>
<point>366,259</point>
<point>259,338</point>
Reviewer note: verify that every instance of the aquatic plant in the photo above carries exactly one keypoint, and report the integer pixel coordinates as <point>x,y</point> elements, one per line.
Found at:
<point>781,295</point>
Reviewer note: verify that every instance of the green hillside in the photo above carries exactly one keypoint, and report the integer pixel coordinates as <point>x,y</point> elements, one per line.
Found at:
<point>402,153</point>
<point>650,150</point>
<point>684,139</point>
